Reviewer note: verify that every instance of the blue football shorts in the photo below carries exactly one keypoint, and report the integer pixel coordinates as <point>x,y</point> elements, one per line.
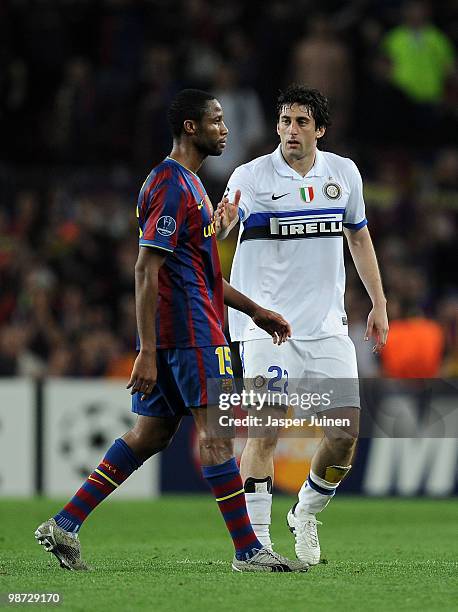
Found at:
<point>186,378</point>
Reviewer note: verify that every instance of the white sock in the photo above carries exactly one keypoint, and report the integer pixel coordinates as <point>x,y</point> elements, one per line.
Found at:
<point>259,506</point>
<point>312,500</point>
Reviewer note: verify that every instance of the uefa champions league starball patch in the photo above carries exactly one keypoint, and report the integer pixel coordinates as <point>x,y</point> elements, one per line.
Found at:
<point>332,191</point>
<point>166,225</point>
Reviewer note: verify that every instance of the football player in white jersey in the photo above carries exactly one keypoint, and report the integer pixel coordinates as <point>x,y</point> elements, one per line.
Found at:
<point>294,207</point>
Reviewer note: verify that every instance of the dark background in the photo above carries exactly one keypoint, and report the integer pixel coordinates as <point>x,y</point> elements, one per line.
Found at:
<point>84,86</point>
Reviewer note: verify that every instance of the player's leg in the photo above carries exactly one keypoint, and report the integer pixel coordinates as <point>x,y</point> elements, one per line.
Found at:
<point>149,436</point>
<point>257,472</point>
<point>220,469</point>
<point>263,362</point>
<point>331,462</point>
<point>338,445</point>
<point>155,427</point>
<point>333,458</point>
<point>58,535</point>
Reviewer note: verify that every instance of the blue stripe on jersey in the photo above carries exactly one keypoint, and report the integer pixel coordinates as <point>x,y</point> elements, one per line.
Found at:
<point>192,188</point>
<point>263,218</point>
<point>202,330</point>
<point>356,226</point>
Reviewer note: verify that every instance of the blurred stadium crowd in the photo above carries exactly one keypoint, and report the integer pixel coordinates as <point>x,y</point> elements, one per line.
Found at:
<point>84,87</point>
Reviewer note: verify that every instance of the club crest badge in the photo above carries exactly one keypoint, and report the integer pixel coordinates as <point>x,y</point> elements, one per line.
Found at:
<point>259,381</point>
<point>332,191</point>
<point>227,385</point>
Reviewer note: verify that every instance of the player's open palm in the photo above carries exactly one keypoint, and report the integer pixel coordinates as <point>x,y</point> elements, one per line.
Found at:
<point>144,374</point>
<point>274,324</point>
<point>227,213</point>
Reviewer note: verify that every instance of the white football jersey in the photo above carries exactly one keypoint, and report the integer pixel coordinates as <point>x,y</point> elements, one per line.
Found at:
<point>289,255</point>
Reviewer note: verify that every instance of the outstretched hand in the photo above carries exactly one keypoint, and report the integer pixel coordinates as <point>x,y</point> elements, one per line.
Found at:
<point>274,324</point>
<point>226,213</point>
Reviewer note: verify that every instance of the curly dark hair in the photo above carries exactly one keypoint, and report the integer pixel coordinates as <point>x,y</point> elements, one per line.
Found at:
<point>312,99</point>
<point>187,104</point>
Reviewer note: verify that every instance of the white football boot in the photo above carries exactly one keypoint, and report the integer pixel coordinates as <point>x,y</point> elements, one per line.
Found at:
<point>304,529</point>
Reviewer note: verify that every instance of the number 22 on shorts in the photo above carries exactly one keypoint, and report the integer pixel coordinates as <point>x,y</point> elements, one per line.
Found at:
<point>224,360</point>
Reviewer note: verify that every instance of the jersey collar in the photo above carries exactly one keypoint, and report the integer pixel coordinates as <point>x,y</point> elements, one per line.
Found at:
<point>282,168</point>
<point>168,158</point>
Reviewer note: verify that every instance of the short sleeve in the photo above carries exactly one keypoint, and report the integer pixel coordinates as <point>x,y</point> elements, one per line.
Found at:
<point>355,211</point>
<point>242,178</point>
<point>164,212</point>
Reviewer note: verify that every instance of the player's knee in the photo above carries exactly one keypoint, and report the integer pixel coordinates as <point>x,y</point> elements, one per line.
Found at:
<point>263,446</point>
<point>159,443</point>
<point>143,446</point>
<point>268,443</point>
<point>220,449</point>
<point>212,443</point>
<point>146,441</point>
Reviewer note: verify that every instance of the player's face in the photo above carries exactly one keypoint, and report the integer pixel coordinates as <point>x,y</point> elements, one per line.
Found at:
<point>212,132</point>
<point>297,130</point>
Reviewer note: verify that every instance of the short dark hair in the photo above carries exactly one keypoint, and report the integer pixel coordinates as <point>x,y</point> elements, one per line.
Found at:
<point>187,104</point>
<point>317,104</point>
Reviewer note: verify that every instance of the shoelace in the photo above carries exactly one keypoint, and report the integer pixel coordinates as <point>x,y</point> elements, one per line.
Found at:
<point>276,556</point>
<point>272,554</point>
<point>309,528</point>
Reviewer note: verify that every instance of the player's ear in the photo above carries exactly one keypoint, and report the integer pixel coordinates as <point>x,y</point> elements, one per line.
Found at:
<point>320,132</point>
<point>189,127</point>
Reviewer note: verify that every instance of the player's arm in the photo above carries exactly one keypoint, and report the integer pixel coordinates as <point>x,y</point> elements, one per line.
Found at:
<point>268,320</point>
<point>363,254</point>
<point>144,372</point>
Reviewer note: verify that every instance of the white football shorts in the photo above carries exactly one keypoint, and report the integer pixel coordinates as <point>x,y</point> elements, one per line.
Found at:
<point>298,368</point>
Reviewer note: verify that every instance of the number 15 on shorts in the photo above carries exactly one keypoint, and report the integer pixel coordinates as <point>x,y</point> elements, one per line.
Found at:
<point>224,360</point>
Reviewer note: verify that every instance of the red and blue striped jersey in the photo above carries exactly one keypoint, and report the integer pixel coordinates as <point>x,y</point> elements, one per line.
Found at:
<point>175,215</point>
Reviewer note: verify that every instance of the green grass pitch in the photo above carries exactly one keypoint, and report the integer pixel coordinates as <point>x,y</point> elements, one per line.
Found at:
<point>174,554</point>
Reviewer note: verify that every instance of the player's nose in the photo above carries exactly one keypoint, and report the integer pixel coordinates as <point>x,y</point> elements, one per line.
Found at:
<point>224,129</point>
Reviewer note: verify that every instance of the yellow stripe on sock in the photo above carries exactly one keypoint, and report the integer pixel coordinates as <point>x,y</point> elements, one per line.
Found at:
<point>218,499</point>
<point>105,476</point>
